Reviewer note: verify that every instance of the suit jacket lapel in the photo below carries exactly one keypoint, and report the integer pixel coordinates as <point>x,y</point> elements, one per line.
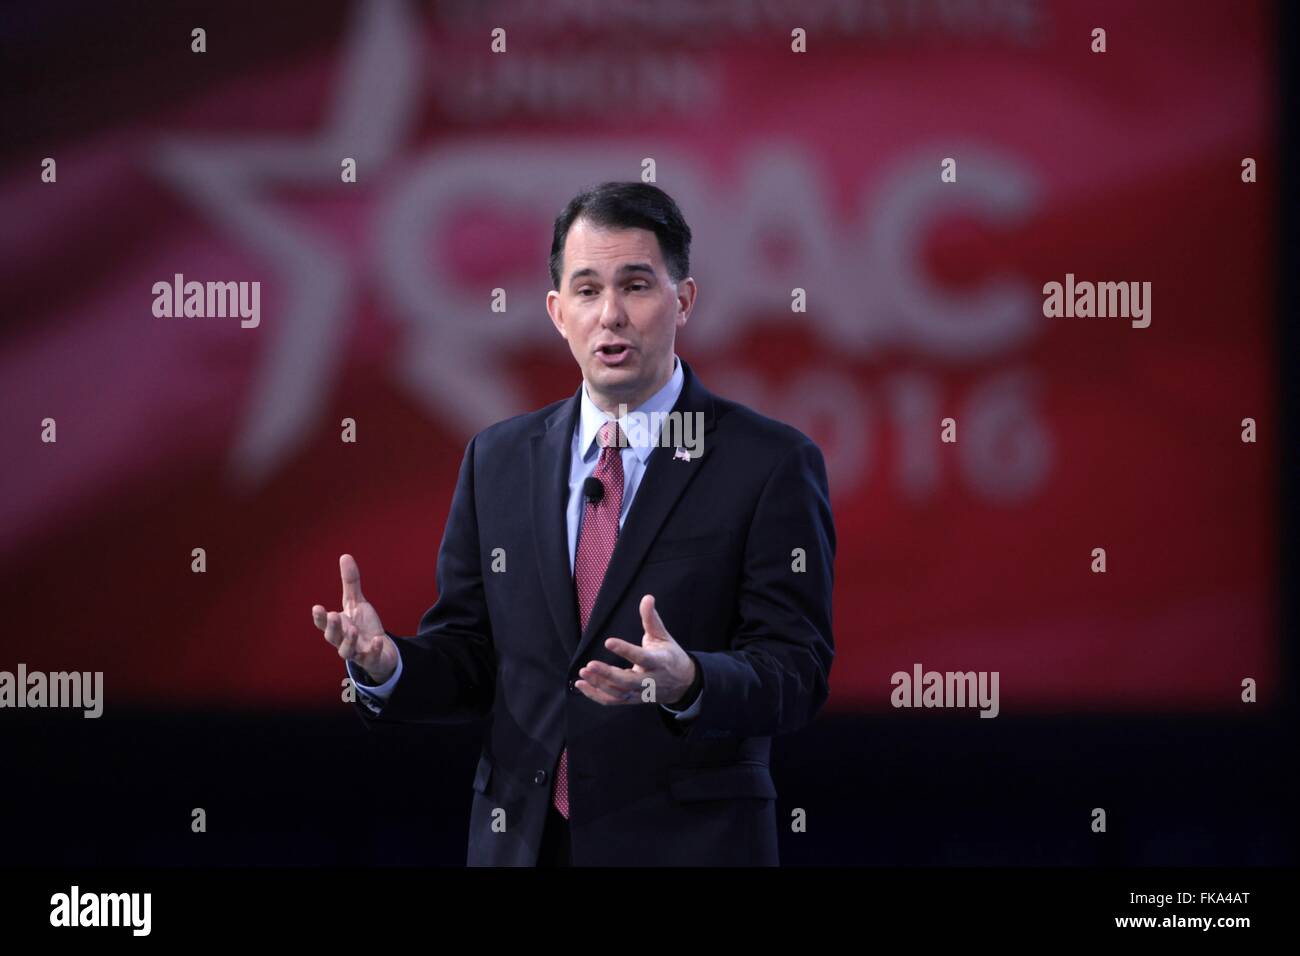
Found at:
<point>662,484</point>
<point>549,464</point>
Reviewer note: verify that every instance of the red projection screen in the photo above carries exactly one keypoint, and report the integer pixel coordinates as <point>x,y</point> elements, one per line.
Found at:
<point>821,174</point>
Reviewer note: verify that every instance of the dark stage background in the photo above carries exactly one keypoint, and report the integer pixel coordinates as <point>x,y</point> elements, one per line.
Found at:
<point>818,170</point>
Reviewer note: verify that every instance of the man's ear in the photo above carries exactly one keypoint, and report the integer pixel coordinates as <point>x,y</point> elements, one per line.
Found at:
<point>686,290</point>
<point>556,313</point>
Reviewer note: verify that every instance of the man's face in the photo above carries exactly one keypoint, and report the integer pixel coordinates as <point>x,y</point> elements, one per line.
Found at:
<point>619,310</point>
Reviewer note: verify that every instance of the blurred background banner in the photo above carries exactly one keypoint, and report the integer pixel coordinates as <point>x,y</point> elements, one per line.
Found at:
<point>815,172</point>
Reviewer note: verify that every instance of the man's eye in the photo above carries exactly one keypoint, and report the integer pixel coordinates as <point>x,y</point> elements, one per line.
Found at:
<point>585,291</point>
<point>638,287</point>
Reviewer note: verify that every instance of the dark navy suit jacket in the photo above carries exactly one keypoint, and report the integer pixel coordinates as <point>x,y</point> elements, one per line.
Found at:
<point>737,546</point>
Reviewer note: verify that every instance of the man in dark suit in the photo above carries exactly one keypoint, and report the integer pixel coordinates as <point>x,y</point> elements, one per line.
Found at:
<point>634,611</point>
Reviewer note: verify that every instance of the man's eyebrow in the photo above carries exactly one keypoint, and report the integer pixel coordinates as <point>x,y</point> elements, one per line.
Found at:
<point>622,270</point>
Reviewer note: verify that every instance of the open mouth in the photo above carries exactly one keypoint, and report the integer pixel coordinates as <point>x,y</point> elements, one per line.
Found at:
<point>613,354</point>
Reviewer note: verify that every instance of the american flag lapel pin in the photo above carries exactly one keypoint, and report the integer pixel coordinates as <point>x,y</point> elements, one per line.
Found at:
<point>681,454</point>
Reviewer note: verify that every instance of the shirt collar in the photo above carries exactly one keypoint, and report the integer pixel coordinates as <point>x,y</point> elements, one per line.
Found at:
<point>639,439</point>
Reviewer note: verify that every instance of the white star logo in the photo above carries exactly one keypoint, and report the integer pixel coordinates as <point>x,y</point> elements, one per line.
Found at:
<point>369,118</point>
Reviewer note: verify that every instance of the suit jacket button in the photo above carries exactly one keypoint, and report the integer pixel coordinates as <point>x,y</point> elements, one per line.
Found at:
<point>539,777</point>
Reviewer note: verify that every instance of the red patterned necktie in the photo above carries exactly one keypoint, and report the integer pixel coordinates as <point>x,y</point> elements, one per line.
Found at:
<point>596,538</point>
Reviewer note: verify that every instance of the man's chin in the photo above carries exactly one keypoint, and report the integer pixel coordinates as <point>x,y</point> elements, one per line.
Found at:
<point>614,377</point>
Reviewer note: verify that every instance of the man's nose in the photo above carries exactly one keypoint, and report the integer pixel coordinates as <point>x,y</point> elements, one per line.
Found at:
<point>611,310</point>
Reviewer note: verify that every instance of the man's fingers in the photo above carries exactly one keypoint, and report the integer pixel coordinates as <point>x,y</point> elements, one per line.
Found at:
<point>334,628</point>
<point>319,617</point>
<point>616,681</point>
<point>600,696</point>
<point>351,575</point>
<point>650,620</point>
<point>631,652</point>
<point>347,649</point>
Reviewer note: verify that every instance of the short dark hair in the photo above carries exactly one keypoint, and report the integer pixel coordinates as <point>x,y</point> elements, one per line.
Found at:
<point>631,205</point>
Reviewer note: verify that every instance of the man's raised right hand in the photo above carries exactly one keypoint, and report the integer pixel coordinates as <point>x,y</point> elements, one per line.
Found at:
<point>356,631</point>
